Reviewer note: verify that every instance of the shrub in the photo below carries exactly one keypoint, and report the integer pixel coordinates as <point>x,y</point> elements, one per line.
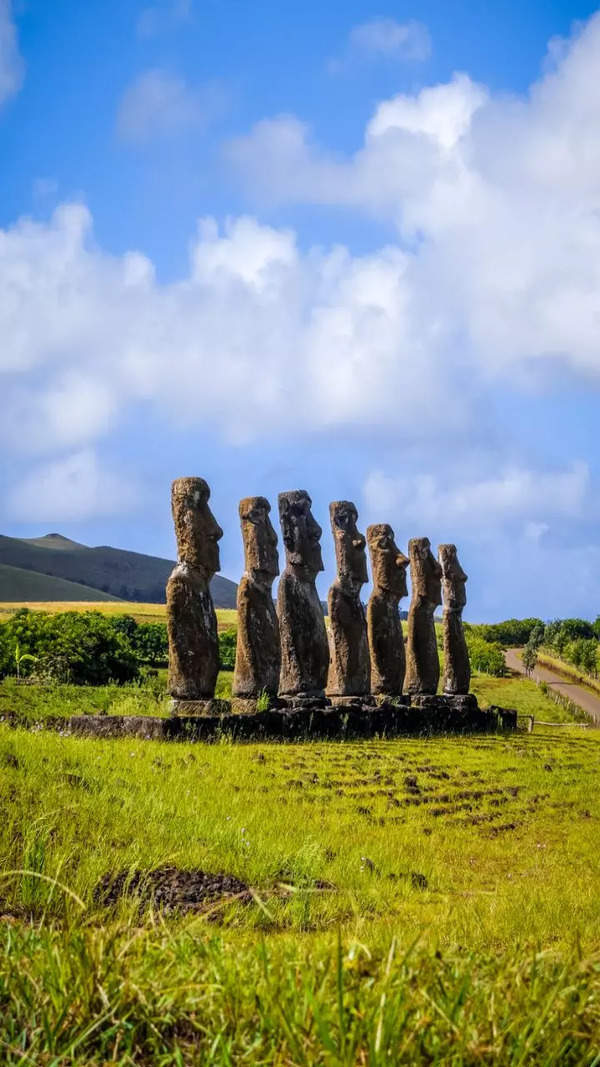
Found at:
<point>150,643</point>
<point>227,644</point>
<point>81,647</point>
<point>511,632</point>
<point>485,656</point>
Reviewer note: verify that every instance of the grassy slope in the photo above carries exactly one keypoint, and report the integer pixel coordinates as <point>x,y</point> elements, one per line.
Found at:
<point>115,568</point>
<point>491,956</point>
<point>18,585</point>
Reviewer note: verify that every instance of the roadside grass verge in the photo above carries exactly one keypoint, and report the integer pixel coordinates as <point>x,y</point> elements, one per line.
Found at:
<point>415,901</point>
<point>521,693</point>
<point>570,672</point>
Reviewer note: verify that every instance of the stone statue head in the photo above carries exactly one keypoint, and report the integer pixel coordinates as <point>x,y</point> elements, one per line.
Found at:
<point>198,532</point>
<point>453,578</point>
<point>425,571</point>
<point>388,563</point>
<point>301,532</point>
<point>349,545</point>
<point>260,540</point>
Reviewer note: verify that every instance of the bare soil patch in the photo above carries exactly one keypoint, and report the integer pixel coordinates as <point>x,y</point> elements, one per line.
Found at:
<point>172,889</point>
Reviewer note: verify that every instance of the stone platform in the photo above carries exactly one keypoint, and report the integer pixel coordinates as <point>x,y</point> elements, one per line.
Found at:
<point>437,715</point>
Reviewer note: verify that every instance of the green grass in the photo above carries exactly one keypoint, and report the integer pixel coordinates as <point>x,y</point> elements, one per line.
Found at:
<point>141,612</point>
<point>491,955</point>
<point>520,693</point>
<point>568,670</point>
<point>20,585</point>
<point>36,702</point>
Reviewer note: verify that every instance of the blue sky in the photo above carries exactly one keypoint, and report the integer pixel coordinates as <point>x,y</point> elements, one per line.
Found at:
<point>353,248</point>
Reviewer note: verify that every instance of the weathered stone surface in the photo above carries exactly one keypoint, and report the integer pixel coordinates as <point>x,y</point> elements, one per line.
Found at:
<point>212,707</point>
<point>457,669</point>
<point>258,652</point>
<point>350,667</point>
<point>191,618</point>
<point>444,715</point>
<point>386,641</point>
<point>304,646</point>
<point>422,660</point>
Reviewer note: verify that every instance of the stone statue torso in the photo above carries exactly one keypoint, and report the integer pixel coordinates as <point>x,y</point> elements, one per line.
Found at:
<point>192,628</point>
<point>388,658</point>
<point>349,673</point>
<point>304,645</point>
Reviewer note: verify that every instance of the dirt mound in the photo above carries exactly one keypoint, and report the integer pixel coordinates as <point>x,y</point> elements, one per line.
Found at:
<point>171,889</point>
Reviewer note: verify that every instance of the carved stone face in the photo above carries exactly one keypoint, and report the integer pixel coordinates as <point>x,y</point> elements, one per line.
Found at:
<point>349,544</point>
<point>454,578</point>
<point>260,539</point>
<point>301,532</point>
<point>198,532</point>
<point>388,563</point>
<point>425,571</point>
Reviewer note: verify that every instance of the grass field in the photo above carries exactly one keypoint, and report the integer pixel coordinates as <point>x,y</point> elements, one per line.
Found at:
<point>37,702</point>
<point>412,902</point>
<point>140,612</point>
<point>417,901</point>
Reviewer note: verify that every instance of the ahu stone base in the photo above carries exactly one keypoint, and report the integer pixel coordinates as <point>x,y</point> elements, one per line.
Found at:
<point>433,715</point>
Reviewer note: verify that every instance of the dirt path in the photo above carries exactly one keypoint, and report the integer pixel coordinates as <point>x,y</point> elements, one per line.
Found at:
<point>580,696</point>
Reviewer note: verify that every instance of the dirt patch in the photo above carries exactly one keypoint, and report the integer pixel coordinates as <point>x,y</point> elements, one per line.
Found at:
<point>171,889</point>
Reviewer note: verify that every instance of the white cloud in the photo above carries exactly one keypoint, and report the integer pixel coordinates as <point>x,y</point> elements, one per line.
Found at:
<point>515,494</point>
<point>496,267</point>
<point>159,103</point>
<point>70,489</point>
<point>12,68</point>
<point>496,197</point>
<point>160,17</point>
<point>384,38</point>
<point>256,329</point>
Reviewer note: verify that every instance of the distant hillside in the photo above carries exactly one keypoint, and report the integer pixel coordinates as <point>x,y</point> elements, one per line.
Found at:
<point>124,575</point>
<point>18,585</point>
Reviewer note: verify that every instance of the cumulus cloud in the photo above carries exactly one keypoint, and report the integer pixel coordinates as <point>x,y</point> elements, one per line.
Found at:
<point>255,326</point>
<point>159,103</point>
<point>495,268</point>
<point>72,488</point>
<point>496,197</point>
<point>384,38</point>
<point>12,68</point>
<point>484,502</point>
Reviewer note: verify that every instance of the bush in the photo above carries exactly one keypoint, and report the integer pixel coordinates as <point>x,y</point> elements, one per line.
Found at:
<point>150,643</point>
<point>84,648</point>
<point>485,656</point>
<point>227,644</point>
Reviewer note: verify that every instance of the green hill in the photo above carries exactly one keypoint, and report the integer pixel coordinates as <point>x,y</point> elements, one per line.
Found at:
<point>19,585</point>
<point>124,575</point>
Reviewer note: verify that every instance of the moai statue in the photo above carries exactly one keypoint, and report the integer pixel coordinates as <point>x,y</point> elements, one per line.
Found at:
<point>350,669</point>
<point>304,646</point>
<point>457,669</point>
<point>422,660</point>
<point>191,619</point>
<point>386,641</point>
<point>258,652</point>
